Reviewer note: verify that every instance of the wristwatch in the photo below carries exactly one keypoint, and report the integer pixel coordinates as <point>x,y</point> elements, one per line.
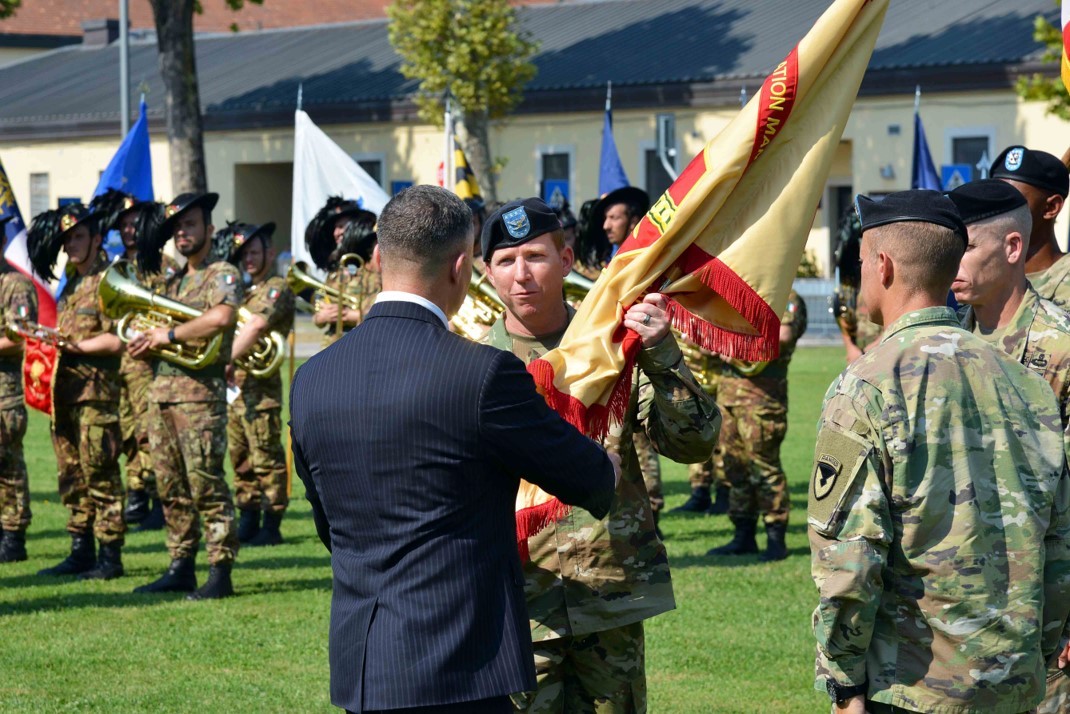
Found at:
<point>840,693</point>
<point>171,335</point>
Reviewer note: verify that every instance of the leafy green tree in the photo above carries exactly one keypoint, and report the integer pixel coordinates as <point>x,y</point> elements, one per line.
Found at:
<point>8,7</point>
<point>1044,87</point>
<point>473,50</point>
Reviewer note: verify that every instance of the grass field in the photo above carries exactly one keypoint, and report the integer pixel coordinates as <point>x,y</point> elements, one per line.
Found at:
<point>739,640</point>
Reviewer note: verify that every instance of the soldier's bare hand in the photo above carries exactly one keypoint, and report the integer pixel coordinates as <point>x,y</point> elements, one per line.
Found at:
<point>1064,657</point>
<point>614,458</point>
<point>326,314</point>
<point>649,319</point>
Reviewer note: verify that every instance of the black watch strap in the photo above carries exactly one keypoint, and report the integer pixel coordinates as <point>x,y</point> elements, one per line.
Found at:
<point>842,692</point>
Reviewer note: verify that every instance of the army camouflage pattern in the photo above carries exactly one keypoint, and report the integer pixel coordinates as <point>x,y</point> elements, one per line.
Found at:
<point>17,299</point>
<point>86,438</point>
<point>614,663</point>
<point>188,441</point>
<point>15,514</point>
<point>218,283</point>
<point>1054,283</point>
<point>587,575</point>
<point>364,285</point>
<point>80,378</point>
<point>939,523</point>
<point>755,421</point>
<point>135,384</point>
<point>651,468</point>
<point>254,418</point>
<point>1057,693</point>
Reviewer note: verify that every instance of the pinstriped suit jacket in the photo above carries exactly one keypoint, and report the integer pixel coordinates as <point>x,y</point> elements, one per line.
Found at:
<point>410,441</point>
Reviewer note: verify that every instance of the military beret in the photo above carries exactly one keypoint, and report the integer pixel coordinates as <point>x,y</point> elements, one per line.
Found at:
<point>919,205</point>
<point>979,200</point>
<point>516,223</point>
<point>183,202</point>
<point>1037,168</point>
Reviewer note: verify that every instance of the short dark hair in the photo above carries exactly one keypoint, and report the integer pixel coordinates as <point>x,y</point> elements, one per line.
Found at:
<point>424,225</point>
<point>633,208</point>
<point>927,254</point>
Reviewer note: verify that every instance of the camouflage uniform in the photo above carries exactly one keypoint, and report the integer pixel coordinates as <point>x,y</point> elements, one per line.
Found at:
<point>1054,283</point>
<point>136,381</point>
<point>590,583</point>
<point>755,413</point>
<point>254,419</point>
<point>364,285</point>
<point>17,299</point>
<point>188,430</point>
<point>85,415</point>
<point>939,523</point>
<point>1038,336</point>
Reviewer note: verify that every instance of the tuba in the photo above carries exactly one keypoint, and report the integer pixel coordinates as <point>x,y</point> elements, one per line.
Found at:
<point>480,309</point>
<point>138,310</point>
<point>265,357</point>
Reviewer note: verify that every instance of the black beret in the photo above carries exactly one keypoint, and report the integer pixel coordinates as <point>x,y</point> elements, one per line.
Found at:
<point>517,222</point>
<point>979,200</point>
<point>919,205</point>
<point>1037,168</point>
<point>183,202</point>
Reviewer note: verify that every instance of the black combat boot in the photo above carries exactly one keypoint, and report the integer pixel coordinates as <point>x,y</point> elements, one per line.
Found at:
<point>248,525</point>
<point>743,542</point>
<point>698,503</point>
<point>269,531</point>
<point>775,547</point>
<point>12,547</point>
<point>719,507</point>
<point>217,586</point>
<point>137,506</point>
<point>179,578</point>
<point>82,558</point>
<point>109,563</point>
<point>154,521</point>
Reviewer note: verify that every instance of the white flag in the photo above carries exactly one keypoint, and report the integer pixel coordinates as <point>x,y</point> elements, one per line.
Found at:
<point>321,170</point>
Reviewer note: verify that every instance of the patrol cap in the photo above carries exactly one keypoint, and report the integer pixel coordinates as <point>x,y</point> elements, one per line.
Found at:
<point>516,223</point>
<point>978,200</point>
<point>919,205</point>
<point>1037,168</point>
<point>183,202</point>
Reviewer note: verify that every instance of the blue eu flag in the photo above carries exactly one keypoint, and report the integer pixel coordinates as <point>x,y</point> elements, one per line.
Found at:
<point>610,172</point>
<point>130,171</point>
<point>923,173</point>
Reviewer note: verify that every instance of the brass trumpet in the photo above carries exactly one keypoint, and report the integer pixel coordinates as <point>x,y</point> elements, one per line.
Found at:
<point>139,310</point>
<point>19,329</point>
<point>266,356</point>
<point>299,280</point>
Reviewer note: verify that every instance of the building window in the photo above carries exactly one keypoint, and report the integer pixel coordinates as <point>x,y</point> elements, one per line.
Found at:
<point>656,179</point>
<point>555,173</point>
<point>39,194</point>
<point>970,146</point>
<point>373,165</point>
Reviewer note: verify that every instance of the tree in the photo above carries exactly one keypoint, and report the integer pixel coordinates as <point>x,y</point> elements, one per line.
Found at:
<point>1043,87</point>
<point>182,103</point>
<point>472,49</point>
<point>8,7</point>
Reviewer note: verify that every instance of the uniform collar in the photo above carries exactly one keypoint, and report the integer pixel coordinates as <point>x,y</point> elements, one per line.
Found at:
<point>940,315</point>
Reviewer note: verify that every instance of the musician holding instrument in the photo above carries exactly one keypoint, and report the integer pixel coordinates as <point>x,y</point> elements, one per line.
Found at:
<point>340,239</point>
<point>122,212</point>
<point>85,394</point>
<point>254,416</point>
<point>17,300</point>
<point>187,404</point>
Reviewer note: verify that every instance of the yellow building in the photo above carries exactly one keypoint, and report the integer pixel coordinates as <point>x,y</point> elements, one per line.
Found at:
<point>682,62</point>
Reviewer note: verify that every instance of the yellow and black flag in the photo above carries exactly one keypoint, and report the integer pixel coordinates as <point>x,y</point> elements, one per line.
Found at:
<point>464,181</point>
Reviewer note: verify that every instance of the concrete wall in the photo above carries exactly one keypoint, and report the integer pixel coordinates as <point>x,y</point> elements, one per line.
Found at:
<point>252,170</point>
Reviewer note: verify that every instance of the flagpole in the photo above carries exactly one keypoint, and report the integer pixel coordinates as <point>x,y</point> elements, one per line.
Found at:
<point>447,162</point>
<point>917,98</point>
<point>124,68</point>
<point>609,95</point>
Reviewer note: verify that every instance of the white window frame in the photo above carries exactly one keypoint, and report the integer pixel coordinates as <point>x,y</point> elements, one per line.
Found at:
<point>652,145</point>
<point>384,180</point>
<point>968,132</point>
<point>540,151</point>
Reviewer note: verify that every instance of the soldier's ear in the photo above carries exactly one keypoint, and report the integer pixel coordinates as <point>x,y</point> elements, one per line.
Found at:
<point>885,269</point>
<point>1014,247</point>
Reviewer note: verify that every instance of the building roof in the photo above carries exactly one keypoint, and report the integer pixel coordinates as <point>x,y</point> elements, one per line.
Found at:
<point>670,53</point>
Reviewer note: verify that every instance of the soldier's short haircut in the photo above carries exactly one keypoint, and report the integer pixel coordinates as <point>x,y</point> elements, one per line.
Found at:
<point>926,255</point>
<point>1019,220</point>
<point>425,226</point>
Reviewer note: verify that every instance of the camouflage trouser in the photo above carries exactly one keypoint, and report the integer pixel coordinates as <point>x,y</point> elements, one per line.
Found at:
<point>602,673</point>
<point>1057,695</point>
<point>14,484</point>
<point>86,439</point>
<point>651,468</point>
<point>188,441</point>
<point>254,439</point>
<point>133,418</point>
<point>747,457</point>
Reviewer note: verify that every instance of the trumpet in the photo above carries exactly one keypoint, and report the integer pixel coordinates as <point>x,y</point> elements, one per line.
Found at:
<point>19,329</point>
<point>299,280</point>
<point>139,310</point>
<point>266,356</point>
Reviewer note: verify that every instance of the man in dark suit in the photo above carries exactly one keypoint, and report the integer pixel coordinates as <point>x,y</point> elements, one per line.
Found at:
<point>411,442</point>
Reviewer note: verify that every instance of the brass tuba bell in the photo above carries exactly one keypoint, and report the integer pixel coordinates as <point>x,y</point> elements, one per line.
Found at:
<point>266,355</point>
<point>481,307</point>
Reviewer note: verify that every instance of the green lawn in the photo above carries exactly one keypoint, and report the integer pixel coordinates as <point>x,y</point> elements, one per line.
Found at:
<point>739,641</point>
